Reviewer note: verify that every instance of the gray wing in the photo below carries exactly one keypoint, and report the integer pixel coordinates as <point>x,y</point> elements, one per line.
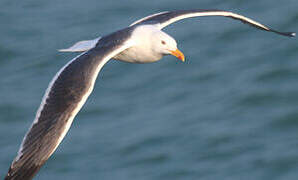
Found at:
<point>63,99</point>
<point>164,19</point>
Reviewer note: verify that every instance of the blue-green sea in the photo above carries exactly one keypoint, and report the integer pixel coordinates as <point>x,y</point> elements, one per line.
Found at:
<point>230,112</point>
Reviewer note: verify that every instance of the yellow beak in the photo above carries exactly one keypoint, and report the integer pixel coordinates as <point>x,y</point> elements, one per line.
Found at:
<point>178,54</point>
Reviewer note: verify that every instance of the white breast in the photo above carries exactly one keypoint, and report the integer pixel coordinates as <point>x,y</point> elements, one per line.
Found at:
<point>138,55</point>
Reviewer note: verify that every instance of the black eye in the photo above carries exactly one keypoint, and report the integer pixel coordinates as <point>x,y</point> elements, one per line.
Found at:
<point>163,42</point>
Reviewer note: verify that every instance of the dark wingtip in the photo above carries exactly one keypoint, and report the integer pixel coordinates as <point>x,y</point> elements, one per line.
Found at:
<point>292,34</point>
<point>289,34</point>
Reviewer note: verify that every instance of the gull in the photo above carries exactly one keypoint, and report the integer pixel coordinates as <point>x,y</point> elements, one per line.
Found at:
<point>141,42</point>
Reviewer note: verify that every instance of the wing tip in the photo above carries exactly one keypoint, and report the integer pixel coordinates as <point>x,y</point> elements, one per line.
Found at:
<point>9,174</point>
<point>23,172</point>
<point>288,34</point>
<point>292,34</point>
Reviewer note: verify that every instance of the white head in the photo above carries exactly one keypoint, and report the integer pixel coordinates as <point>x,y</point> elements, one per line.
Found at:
<point>164,44</point>
<point>153,44</point>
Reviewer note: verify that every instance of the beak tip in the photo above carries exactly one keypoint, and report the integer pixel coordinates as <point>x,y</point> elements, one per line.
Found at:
<point>178,54</point>
<point>183,59</point>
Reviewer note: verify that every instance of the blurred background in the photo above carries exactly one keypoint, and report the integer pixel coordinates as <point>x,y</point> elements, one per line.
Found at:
<point>229,112</point>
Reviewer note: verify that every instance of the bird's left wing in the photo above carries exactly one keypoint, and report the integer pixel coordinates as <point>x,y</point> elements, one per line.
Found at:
<point>82,46</point>
<point>164,19</point>
<point>63,99</point>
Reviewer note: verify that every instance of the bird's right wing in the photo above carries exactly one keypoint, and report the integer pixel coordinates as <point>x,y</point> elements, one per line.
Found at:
<point>63,99</point>
<point>166,18</point>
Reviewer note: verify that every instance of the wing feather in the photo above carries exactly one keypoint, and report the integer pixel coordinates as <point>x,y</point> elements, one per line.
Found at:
<point>164,19</point>
<point>63,99</point>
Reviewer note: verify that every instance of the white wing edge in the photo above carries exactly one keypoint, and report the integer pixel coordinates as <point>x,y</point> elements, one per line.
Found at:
<point>214,13</point>
<point>126,45</point>
<point>190,14</point>
<point>147,17</point>
<point>225,14</point>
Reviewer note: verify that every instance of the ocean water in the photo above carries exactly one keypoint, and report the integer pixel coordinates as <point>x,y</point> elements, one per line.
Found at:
<point>229,112</point>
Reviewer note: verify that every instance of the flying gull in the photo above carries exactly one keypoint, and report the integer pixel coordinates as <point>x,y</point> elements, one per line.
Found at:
<point>141,42</point>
